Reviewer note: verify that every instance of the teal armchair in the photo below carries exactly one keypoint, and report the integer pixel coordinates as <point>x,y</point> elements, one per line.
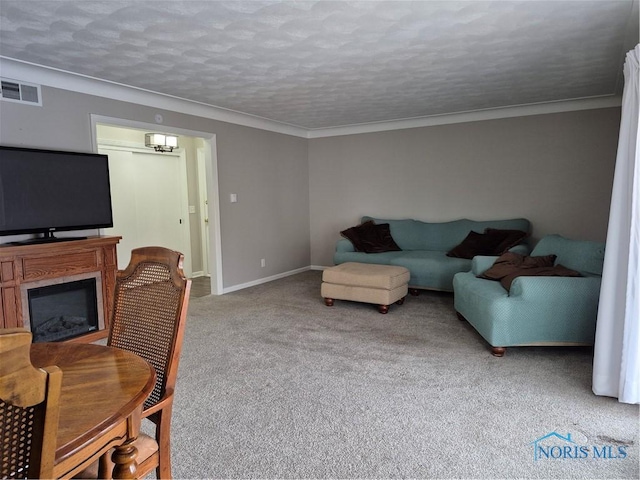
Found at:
<point>536,310</point>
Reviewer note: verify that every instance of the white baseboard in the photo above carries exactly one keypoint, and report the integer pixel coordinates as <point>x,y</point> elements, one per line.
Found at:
<point>260,281</point>
<point>318,267</point>
<point>197,274</point>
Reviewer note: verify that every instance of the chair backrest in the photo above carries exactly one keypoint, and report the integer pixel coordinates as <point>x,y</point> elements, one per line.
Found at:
<point>149,313</point>
<point>29,408</point>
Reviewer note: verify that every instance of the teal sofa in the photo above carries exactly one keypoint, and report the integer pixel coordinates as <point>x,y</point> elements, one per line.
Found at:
<point>536,310</point>
<point>424,249</point>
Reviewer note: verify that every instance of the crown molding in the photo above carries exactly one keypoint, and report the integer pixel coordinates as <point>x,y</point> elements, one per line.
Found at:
<point>28,72</point>
<point>472,116</point>
<point>52,77</point>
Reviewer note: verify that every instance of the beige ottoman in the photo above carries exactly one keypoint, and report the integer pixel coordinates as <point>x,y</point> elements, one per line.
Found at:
<point>364,282</point>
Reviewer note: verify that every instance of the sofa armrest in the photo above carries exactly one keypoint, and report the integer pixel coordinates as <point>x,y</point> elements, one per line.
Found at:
<point>571,289</point>
<point>481,263</point>
<point>344,245</point>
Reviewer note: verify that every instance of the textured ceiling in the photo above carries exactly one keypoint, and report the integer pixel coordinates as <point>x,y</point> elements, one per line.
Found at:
<point>318,64</point>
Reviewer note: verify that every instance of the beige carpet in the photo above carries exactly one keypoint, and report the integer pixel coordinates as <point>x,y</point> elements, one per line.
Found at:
<point>274,384</point>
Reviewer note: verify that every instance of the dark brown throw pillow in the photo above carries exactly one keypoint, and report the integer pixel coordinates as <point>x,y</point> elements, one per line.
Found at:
<point>492,242</point>
<point>378,239</point>
<point>371,238</point>
<point>505,239</point>
<point>511,265</point>
<point>353,234</point>
<point>468,248</point>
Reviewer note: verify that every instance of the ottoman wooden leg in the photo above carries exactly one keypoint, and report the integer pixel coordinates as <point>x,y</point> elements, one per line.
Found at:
<point>383,308</point>
<point>328,302</point>
<point>401,301</point>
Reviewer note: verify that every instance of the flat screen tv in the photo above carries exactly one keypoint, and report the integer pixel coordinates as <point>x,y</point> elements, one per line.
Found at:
<point>45,191</point>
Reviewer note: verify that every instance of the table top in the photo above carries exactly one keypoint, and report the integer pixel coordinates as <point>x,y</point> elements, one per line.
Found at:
<point>101,387</point>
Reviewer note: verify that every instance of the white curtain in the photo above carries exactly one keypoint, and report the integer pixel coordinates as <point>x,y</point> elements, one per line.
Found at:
<point>616,362</point>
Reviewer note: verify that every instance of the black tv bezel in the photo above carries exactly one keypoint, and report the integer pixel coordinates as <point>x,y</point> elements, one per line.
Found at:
<point>48,231</point>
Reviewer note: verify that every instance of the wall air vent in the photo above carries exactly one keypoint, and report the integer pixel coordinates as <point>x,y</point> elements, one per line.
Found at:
<point>15,91</point>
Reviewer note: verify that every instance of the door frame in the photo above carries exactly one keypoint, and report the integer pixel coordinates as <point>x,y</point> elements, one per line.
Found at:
<point>211,167</point>
<point>203,204</point>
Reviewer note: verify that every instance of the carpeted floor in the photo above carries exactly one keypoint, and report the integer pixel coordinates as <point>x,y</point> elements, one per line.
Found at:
<point>273,384</point>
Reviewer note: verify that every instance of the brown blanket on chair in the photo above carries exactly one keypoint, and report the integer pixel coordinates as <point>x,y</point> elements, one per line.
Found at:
<point>510,266</point>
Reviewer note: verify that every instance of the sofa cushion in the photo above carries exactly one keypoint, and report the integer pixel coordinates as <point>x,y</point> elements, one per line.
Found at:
<point>371,238</point>
<point>384,258</point>
<point>430,268</point>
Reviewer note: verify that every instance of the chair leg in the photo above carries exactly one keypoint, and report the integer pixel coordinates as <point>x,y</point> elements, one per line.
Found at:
<point>163,437</point>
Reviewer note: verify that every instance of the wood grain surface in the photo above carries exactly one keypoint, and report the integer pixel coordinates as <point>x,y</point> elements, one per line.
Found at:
<point>103,390</point>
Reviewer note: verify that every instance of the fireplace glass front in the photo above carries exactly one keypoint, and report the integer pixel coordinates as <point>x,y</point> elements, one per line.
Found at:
<point>63,311</point>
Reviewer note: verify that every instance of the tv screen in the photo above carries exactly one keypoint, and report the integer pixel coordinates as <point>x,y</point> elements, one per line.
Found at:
<point>43,191</point>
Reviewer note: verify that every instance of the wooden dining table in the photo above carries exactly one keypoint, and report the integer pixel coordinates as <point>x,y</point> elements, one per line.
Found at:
<point>103,393</point>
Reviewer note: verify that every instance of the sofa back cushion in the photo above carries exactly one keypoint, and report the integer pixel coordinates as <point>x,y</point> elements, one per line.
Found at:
<point>417,235</point>
<point>581,255</point>
<point>406,233</point>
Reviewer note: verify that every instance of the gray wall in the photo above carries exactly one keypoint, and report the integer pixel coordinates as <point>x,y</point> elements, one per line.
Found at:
<point>268,171</point>
<point>556,170</point>
<point>295,195</point>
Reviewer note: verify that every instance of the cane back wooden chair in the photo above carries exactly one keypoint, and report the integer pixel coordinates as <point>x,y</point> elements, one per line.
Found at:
<point>29,408</point>
<point>148,318</point>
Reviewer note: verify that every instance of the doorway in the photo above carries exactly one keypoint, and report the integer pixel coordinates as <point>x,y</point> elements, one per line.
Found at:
<point>202,167</point>
<point>148,201</point>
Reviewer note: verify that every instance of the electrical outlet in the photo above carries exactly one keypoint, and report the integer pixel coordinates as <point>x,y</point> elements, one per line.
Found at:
<point>263,263</point>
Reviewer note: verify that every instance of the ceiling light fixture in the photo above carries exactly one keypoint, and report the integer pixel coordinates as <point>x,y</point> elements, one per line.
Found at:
<point>161,142</point>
